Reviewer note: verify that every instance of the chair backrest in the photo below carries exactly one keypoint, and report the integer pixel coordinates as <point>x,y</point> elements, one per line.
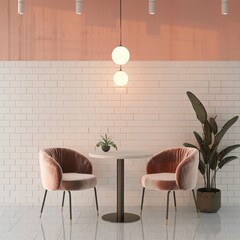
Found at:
<point>70,160</point>
<point>55,161</point>
<point>182,161</point>
<point>167,161</point>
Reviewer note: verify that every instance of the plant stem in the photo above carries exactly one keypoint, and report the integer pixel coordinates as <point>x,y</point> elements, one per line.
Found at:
<point>208,176</point>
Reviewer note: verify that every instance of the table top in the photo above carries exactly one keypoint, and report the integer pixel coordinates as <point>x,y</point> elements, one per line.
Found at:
<point>120,154</point>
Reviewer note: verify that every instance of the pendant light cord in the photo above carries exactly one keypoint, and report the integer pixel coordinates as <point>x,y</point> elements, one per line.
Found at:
<point>120,14</point>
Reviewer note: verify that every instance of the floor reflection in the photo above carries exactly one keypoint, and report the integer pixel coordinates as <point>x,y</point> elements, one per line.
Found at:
<point>176,229</point>
<point>210,227</point>
<point>183,225</point>
<point>64,231</point>
<point>171,232</point>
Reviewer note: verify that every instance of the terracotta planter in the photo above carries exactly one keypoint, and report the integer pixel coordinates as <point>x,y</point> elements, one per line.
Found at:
<point>208,201</point>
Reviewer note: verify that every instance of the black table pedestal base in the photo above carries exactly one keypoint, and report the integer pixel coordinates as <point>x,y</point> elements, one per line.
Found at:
<point>128,217</point>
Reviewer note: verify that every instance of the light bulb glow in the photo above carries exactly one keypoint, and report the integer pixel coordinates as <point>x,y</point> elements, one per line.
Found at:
<point>21,7</point>
<point>120,78</point>
<point>120,55</point>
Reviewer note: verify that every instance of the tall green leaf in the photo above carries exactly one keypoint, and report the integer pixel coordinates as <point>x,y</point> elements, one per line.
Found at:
<point>207,152</point>
<point>213,125</point>
<point>226,160</point>
<point>213,160</point>
<point>201,167</point>
<point>198,107</point>
<point>199,139</point>
<point>227,150</point>
<point>224,129</point>
<point>202,147</point>
<point>207,133</point>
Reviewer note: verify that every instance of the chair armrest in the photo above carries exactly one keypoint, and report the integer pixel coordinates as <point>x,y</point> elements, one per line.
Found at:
<point>187,171</point>
<point>51,172</point>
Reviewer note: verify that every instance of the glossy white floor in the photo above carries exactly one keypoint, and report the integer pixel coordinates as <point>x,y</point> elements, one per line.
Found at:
<point>23,223</point>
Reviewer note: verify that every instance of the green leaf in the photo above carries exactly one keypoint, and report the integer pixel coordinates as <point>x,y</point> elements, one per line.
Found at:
<point>103,138</point>
<point>201,167</point>
<point>224,129</point>
<point>199,139</point>
<point>207,133</point>
<point>213,125</point>
<point>204,149</point>
<point>227,150</point>
<point>98,144</point>
<point>213,160</point>
<point>198,107</point>
<point>226,160</point>
<point>114,145</point>
<point>190,145</point>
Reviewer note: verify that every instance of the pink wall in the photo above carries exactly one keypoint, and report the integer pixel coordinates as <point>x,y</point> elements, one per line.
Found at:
<point>180,30</point>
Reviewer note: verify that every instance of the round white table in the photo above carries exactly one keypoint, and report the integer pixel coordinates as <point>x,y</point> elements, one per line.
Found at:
<point>120,215</point>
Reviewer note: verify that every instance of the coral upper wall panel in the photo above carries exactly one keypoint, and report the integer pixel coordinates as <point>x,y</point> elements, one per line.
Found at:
<point>180,30</point>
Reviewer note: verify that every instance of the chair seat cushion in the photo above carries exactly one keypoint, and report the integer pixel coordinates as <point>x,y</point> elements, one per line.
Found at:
<point>160,181</point>
<point>77,181</point>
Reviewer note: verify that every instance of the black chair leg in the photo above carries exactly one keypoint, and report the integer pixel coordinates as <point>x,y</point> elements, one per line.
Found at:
<point>70,206</point>
<point>143,192</point>
<point>96,200</point>
<point>44,198</point>
<point>194,198</point>
<point>175,203</point>
<point>167,206</point>
<point>63,200</point>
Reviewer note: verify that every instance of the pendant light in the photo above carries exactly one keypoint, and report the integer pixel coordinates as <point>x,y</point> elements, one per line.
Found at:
<point>224,7</point>
<point>79,6</point>
<point>120,56</point>
<point>120,78</point>
<point>21,7</point>
<point>151,7</point>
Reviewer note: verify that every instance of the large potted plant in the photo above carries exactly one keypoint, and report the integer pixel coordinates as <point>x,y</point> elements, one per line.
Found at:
<point>211,160</point>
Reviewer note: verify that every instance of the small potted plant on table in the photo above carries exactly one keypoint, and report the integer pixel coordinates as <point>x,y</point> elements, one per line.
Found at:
<point>106,143</point>
<point>211,159</point>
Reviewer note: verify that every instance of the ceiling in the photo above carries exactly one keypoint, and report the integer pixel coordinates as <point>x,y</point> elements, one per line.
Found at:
<point>180,30</point>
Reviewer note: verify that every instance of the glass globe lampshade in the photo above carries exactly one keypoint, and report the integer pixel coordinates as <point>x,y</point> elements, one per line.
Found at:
<point>120,78</point>
<point>120,55</point>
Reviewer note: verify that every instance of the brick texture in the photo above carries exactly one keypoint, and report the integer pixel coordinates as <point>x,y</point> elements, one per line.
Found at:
<point>69,104</point>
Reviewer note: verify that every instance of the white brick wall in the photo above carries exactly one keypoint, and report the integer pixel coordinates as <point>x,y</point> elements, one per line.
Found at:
<point>69,104</point>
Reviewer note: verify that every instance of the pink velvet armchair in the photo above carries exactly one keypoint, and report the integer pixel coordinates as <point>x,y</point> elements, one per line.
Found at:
<point>65,170</point>
<point>171,170</point>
